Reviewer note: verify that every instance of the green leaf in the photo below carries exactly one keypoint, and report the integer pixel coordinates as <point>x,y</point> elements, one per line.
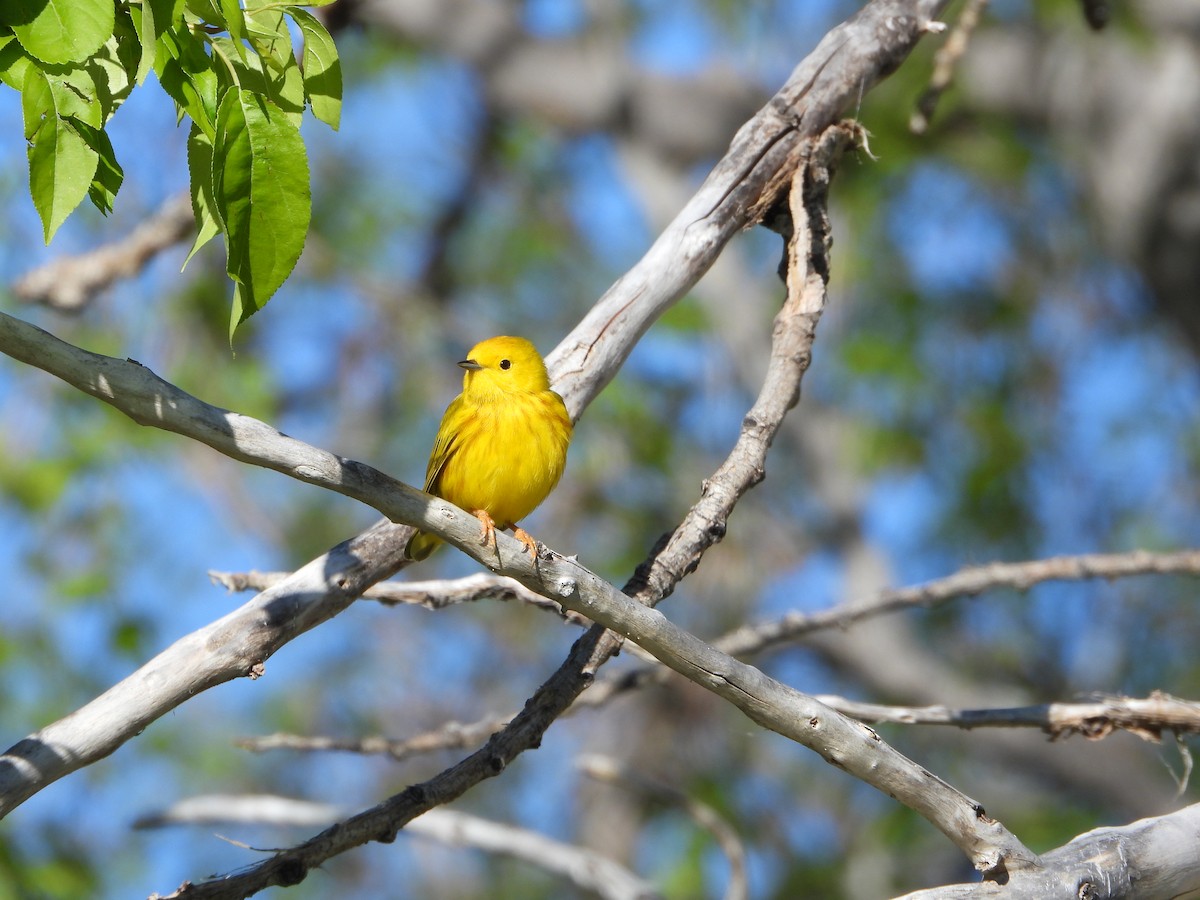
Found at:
<point>281,82</point>
<point>73,93</point>
<point>151,18</point>
<point>322,68</point>
<point>185,72</point>
<point>199,156</point>
<point>147,31</point>
<point>61,162</point>
<point>268,34</point>
<point>109,175</point>
<point>206,11</point>
<point>14,62</point>
<point>112,69</point>
<point>233,19</point>
<point>60,31</point>
<point>261,194</point>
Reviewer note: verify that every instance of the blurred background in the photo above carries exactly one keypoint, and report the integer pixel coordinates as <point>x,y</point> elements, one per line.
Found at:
<point>1007,370</point>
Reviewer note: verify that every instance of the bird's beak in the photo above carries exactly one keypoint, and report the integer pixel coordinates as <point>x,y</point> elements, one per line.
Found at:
<point>470,364</point>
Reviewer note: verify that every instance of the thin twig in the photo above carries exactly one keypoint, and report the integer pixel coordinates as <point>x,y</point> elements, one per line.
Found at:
<point>450,736</point>
<point>586,869</point>
<point>1095,719</point>
<point>427,594</point>
<point>748,641</point>
<point>968,582</point>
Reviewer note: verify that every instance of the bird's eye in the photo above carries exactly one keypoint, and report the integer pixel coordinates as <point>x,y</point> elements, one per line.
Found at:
<point>506,363</point>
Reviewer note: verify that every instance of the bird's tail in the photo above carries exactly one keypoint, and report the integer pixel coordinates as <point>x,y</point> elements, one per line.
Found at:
<point>421,544</point>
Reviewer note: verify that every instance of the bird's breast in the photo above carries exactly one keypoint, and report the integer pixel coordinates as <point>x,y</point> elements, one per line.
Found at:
<point>510,454</point>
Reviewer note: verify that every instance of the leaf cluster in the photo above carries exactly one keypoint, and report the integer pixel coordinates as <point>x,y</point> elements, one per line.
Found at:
<point>232,70</point>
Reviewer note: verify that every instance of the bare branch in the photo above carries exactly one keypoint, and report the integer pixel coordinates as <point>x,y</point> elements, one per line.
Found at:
<point>134,390</point>
<point>851,746</point>
<point>450,736</point>
<point>610,771</point>
<point>851,58</point>
<point>69,283</point>
<point>585,869</point>
<point>1147,718</point>
<point>968,582</point>
<point>242,809</point>
<point>1150,859</point>
<point>751,640</point>
<point>427,594</point>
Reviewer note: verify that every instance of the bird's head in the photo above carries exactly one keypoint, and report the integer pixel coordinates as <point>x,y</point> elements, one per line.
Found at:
<point>504,364</point>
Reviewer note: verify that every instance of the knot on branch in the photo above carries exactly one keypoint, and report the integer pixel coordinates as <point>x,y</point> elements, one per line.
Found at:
<point>291,871</point>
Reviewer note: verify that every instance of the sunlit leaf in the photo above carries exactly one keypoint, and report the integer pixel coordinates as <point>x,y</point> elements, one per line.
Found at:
<point>201,172</point>
<point>322,68</point>
<point>261,194</point>
<point>61,161</point>
<point>109,175</point>
<point>60,31</point>
<point>185,72</point>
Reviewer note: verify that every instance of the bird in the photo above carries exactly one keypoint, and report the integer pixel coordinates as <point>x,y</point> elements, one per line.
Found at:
<point>502,444</point>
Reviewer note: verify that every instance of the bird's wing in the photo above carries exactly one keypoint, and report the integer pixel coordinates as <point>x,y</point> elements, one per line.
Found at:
<point>444,445</point>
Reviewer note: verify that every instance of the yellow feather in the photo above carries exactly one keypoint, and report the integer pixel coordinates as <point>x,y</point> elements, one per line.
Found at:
<point>502,444</point>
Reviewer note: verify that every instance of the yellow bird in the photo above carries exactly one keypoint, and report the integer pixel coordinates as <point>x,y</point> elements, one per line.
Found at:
<point>502,444</point>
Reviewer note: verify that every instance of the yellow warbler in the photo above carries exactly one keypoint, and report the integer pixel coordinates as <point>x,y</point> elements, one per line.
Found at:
<point>502,444</point>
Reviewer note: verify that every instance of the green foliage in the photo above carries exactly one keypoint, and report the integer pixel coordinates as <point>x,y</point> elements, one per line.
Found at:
<point>258,163</point>
<point>60,31</point>
<point>322,69</point>
<point>230,69</point>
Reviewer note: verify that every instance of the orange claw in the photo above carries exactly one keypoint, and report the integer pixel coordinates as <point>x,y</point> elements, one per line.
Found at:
<point>487,531</point>
<point>527,539</point>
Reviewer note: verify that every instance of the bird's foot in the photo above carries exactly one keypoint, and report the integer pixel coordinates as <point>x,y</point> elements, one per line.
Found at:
<point>527,539</point>
<point>487,530</point>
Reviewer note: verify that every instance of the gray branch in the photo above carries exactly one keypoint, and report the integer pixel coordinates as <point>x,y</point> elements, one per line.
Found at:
<point>450,736</point>
<point>1151,859</point>
<point>582,867</point>
<point>427,594</point>
<point>1146,717</point>
<point>1159,712</point>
